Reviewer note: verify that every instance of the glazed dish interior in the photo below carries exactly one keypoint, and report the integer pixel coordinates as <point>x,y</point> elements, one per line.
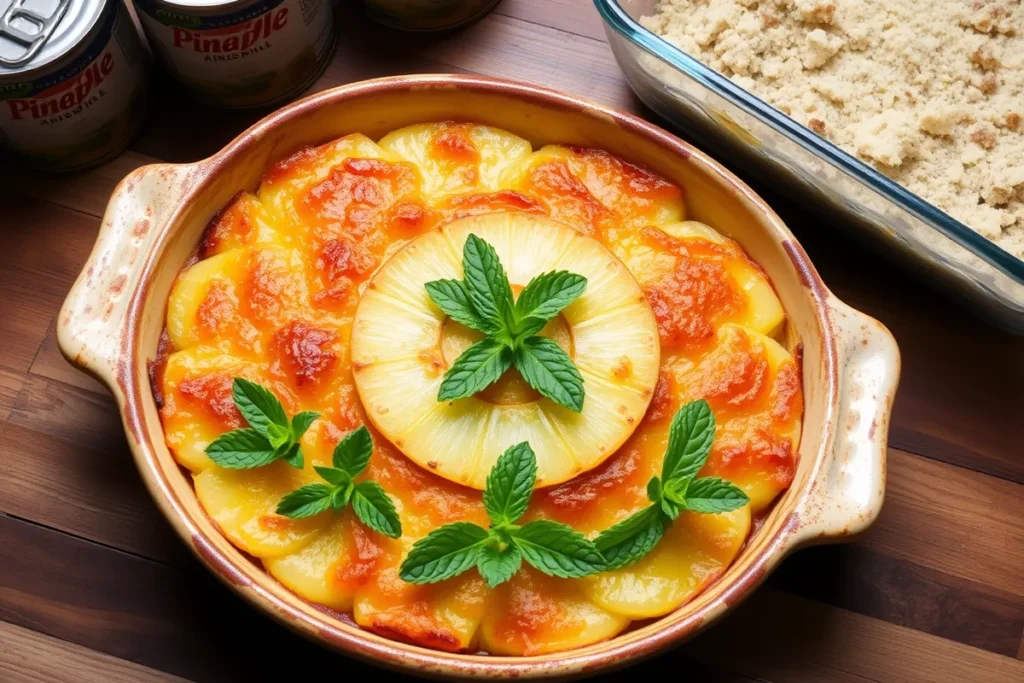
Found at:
<point>312,285</point>
<point>705,194</point>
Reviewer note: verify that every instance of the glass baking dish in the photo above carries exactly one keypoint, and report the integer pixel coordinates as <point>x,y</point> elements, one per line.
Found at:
<point>733,124</point>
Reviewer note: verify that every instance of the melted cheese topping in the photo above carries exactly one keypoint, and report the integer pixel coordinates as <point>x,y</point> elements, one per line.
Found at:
<point>272,297</point>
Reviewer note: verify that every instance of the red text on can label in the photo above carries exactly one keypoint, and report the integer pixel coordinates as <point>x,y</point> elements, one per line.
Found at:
<point>250,56</point>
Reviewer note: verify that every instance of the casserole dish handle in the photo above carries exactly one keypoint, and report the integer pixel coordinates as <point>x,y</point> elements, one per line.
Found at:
<point>92,326</point>
<point>848,490</point>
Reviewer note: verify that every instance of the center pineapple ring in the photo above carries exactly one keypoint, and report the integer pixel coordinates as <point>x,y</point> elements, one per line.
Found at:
<point>402,344</point>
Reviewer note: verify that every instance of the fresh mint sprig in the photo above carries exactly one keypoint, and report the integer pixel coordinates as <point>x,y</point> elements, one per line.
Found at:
<point>498,552</point>
<point>371,504</point>
<point>270,435</point>
<point>689,443</point>
<point>483,301</point>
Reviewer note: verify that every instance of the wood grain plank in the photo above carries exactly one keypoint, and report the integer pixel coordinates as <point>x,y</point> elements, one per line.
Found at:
<point>49,363</point>
<point>66,413</point>
<point>86,192</point>
<point>10,385</point>
<point>92,490</point>
<point>571,16</point>
<point>44,247</point>
<point>899,591</point>
<point>781,637</point>
<point>30,657</point>
<point>954,520</point>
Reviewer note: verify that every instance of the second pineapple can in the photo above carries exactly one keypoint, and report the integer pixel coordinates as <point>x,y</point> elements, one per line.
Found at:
<point>241,53</point>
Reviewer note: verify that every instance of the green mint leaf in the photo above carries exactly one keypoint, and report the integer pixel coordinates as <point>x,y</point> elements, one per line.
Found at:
<point>375,509</point>
<point>546,295</point>
<point>301,422</point>
<point>689,442</point>
<point>549,370</point>
<point>277,435</point>
<point>332,476</point>
<point>452,297</point>
<point>670,508</point>
<point>259,407</point>
<point>486,283</point>
<point>307,501</point>
<point>654,492</point>
<point>293,456</point>
<point>241,449</point>
<point>341,495</point>
<point>497,565</point>
<point>478,367</point>
<point>352,454</point>
<point>525,328</point>
<point>713,495</point>
<point>626,542</point>
<point>557,549</point>
<point>510,484</point>
<point>443,553</point>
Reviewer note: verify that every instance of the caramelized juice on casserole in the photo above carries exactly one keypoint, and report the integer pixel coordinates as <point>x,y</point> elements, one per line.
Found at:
<point>272,297</point>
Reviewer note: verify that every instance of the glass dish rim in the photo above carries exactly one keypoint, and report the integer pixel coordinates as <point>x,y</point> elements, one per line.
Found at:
<point>616,17</point>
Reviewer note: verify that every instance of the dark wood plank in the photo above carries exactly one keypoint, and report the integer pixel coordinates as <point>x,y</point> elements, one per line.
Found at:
<point>179,621</point>
<point>954,520</point>
<point>786,638</point>
<point>30,657</point>
<point>570,16</point>
<point>902,592</point>
<point>44,247</point>
<point>49,363</point>
<point>91,489</point>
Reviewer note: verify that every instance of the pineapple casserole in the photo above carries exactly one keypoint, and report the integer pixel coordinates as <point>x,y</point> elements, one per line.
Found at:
<point>931,94</point>
<point>342,294</point>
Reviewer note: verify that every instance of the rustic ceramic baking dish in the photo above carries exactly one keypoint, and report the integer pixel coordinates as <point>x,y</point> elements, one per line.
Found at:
<point>111,323</point>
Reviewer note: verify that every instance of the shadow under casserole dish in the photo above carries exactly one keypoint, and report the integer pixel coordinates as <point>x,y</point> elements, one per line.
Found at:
<point>271,296</point>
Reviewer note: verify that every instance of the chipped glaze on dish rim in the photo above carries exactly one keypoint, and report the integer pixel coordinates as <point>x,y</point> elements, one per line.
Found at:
<point>111,321</point>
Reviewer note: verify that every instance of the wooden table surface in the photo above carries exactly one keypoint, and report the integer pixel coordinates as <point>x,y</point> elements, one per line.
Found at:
<point>94,586</point>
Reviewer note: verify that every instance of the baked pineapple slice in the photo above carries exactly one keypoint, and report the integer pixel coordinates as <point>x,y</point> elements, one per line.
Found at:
<point>456,157</point>
<point>754,387</point>
<point>443,616</point>
<point>243,222</point>
<point>695,550</point>
<point>313,571</point>
<point>243,504</point>
<point>702,278</point>
<point>227,300</point>
<point>402,344</point>
<point>287,180</point>
<point>195,386</point>
<point>596,192</point>
<point>534,614</point>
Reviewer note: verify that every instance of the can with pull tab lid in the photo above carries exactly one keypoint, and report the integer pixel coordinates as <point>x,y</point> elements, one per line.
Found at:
<point>241,53</point>
<point>72,81</point>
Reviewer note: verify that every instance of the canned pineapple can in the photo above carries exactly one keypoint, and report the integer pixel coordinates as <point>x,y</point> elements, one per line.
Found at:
<point>72,81</point>
<point>241,53</point>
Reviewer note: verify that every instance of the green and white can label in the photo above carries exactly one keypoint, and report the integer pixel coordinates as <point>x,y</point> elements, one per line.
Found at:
<point>241,54</point>
<point>85,110</point>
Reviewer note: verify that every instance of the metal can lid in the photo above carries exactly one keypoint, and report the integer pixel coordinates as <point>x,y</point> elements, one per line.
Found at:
<point>37,32</point>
